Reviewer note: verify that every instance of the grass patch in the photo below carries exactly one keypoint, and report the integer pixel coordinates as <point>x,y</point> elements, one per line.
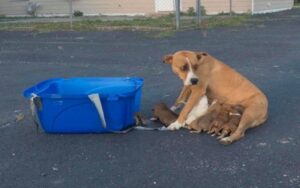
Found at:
<point>159,23</point>
<point>164,24</point>
<point>224,21</point>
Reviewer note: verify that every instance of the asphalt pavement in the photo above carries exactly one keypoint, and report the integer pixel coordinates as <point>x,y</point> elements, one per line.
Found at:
<point>266,50</point>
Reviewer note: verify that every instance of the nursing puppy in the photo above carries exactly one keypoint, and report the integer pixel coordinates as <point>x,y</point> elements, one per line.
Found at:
<point>166,116</point>
<point>162,113</point>
<point>206,75</point>
<point>235,115</point>
<point>222,117</point>
<point>203,124</point>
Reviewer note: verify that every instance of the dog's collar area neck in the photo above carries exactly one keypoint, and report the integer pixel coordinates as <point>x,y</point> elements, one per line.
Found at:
<point>234,114</point>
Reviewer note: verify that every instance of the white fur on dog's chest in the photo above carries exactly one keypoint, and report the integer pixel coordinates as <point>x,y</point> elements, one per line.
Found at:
<point>198,110</point>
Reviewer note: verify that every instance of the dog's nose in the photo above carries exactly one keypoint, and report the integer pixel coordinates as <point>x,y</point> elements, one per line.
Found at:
<point>194,81</point>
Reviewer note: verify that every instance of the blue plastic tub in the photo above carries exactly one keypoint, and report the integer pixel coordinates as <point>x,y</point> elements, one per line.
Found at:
<point>85,105</point>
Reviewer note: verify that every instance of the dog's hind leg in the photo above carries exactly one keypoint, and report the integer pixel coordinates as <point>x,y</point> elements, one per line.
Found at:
<point>253,116</point>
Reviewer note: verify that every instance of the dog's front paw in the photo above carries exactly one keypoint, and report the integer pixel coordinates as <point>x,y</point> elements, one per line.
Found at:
<point>175,126</point>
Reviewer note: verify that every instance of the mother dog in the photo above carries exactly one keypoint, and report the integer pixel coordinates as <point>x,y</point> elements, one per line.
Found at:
<point>205,75</point>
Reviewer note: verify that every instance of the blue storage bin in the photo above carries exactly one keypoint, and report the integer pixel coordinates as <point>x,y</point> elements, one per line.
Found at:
<point>85,105</point>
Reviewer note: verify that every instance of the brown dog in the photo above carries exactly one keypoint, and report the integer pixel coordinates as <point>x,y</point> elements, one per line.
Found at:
<point>203,124</point>
<point>206,75</point>
<point>162,113</point>
<point>235,115</point>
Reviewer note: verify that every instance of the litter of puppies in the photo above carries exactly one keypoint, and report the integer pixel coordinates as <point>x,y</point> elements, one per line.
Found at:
<point>220,119</point>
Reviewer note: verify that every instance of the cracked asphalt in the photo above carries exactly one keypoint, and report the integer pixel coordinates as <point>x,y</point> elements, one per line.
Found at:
<point>266,51</point>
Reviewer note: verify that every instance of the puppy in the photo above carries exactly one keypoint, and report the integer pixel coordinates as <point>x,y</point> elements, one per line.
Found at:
<point>203,123</point>
<point>235,115</point>
<point>220,120</point>
<point>162,113</point>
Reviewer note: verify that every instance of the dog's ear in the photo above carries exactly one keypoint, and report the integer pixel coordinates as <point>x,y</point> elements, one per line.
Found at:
<point>168,59</point>
<point>201,56</point>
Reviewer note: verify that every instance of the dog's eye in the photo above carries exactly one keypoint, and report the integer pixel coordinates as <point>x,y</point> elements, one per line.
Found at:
<point>184,67</point>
